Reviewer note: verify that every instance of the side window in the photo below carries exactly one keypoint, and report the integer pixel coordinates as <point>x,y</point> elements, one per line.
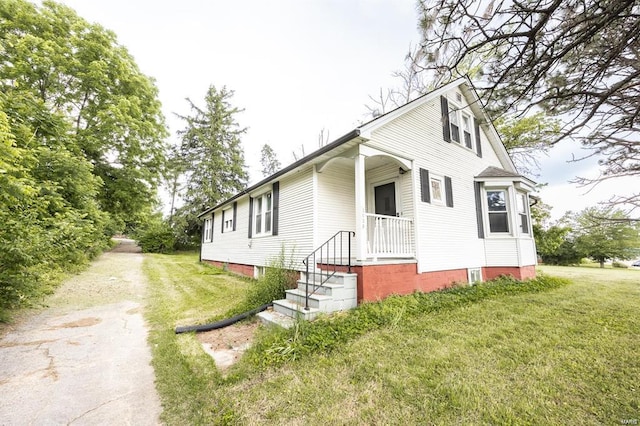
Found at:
<point>455,125</point>
<point>207,228</point>
<point>263,217</point>
<point>466,130</point>
<point>498,211</point>
<point>227,220</point>
<point>437,189</point>
<point>523,216</point>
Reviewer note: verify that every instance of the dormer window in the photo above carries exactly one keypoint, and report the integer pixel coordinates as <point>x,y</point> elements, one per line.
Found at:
<point>466,130</point>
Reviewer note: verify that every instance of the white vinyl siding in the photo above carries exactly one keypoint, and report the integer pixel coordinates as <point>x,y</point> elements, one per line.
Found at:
<point>336,200</point>
<point>295,227</point>
<point>447,237</point>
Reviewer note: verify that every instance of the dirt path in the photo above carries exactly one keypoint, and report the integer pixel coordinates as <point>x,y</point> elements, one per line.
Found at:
<point>84,359</point>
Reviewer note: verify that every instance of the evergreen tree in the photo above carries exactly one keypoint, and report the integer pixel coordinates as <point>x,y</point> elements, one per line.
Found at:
<point>212,155</point>
<point>269,161</point>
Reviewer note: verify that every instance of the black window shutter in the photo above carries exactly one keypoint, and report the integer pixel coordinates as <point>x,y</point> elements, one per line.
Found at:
<point>212,221</point>
<point>446,129</point>
<point>478,144</point>
<point>276,207</point>
<point>478,191</point>
<point>202,233</point>
<point>448,191</point>
<point>222,227</point>
<point>250,215</point>
<point>425,192</point>
<point>235,209</point>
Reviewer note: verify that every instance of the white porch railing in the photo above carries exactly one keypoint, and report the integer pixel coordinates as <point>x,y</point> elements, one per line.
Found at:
<point>389,236</point>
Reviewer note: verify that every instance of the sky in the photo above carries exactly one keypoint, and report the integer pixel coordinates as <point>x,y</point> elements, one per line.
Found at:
<point>296,67</point>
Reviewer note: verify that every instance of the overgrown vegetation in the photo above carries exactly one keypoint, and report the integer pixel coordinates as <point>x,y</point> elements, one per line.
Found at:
<point>278,277</point>
<point>541,352</point>
<point>81,145</point>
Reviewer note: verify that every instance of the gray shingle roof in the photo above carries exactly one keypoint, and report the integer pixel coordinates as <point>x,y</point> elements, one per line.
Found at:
<point>496,172</point>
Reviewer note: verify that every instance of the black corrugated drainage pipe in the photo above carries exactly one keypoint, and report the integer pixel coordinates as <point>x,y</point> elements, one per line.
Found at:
<point>222,323</point>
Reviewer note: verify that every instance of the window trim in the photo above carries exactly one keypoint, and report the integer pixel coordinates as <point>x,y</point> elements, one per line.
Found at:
<point>227,220</point>
<point>470,271</point>
<point>261,222</point>
<point>523,197</point>
<point>206,230</point>
<point>440,180</point>
<point>507,211</point>
<point>463,115</point>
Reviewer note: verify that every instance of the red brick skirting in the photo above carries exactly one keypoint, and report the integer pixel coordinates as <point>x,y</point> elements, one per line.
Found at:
<point>375,282</point>
<point>520,273</point>
<point>238,268</point>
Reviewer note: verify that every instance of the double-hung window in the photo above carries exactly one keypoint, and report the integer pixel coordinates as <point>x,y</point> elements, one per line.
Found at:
<point>262,209</point>
<point>523,222</point>
<point>498,210</point>
<point>227,220</point>
<point>466,130</point>
<point>454,122</point>
<point>437,189</point>
<point>207,228</point>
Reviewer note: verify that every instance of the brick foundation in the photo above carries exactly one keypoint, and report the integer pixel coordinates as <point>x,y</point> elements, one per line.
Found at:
<point>401,278</point>
<point>384,280</point>
<point>237,268</point>
<point>519,273</point>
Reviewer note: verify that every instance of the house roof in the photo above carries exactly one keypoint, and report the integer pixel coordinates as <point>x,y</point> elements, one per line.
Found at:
<point>496,172</point>
<point>364,131</point>
<point>345,138</point>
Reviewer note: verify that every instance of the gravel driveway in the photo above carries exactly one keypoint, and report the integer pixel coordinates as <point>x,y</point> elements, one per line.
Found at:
<point>84,359</point>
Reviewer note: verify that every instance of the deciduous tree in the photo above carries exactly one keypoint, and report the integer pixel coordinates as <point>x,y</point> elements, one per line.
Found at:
<point>577,60</point>
<point>79,70</point>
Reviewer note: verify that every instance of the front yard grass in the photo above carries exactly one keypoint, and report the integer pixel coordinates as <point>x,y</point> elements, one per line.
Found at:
<point>563,356</point>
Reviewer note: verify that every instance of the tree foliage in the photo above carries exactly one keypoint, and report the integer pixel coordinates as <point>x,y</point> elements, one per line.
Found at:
<point>576,60</point>
<point>54,61</point>
<point>211,156</point>
<point>603,234</point>
<point>80,144</point>
<point>269,160</point>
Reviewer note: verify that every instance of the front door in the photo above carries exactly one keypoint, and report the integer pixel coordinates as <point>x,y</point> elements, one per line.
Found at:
<point>385,199</point>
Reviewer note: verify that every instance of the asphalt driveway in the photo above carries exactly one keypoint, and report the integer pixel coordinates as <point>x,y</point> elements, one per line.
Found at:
<point>84,360</point>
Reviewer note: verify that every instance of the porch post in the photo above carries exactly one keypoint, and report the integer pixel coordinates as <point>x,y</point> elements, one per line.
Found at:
<point>361,223</point>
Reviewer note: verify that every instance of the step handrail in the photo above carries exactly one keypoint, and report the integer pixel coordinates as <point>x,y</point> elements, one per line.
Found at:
<point>325,248</point>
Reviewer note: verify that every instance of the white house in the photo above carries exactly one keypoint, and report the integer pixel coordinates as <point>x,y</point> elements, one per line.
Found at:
<point>427,193</point>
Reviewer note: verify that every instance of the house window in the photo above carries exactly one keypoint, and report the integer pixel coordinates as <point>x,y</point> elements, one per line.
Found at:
<point>474,275</point>
<point>523,217</point>
<point>454,123</point>
<point>207,230</point>
<point>466,130</point>
<point>262,206</point>
<point>227,220</point>
<point>437,189</point>
<point>498,214</point>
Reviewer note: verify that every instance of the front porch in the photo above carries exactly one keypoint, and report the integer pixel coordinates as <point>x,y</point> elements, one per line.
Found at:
<point>372,193</point>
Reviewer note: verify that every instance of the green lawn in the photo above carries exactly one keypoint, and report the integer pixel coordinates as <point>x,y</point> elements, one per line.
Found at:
<point>563,356</point>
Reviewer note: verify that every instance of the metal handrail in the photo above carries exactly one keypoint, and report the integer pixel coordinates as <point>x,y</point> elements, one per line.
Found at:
<point>325,248</point>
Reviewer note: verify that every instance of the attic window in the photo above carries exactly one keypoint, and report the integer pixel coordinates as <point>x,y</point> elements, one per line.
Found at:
<point>458,97</point>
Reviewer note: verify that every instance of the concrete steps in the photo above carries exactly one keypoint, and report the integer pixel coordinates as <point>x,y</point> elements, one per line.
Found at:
<point>339,293</point>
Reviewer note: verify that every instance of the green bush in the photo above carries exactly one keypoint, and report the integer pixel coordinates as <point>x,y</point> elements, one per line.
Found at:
<point>278,277</point>
<point>156,237</point>
<point>618,265</point>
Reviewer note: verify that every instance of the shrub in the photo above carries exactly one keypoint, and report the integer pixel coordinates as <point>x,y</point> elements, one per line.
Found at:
<point>279,276</point>
<point>156,237</point>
